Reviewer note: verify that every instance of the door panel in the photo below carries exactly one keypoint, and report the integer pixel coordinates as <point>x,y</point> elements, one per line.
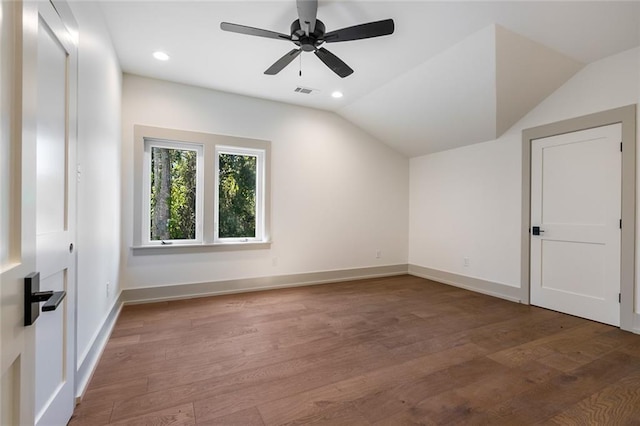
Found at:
<point>573,196</point>
<point>51,142</point>
<point>575,268</point>
<point>576,202</point>
<point>50,358</point>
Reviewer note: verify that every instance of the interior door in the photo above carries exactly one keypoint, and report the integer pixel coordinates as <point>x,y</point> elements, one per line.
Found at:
<point>55,216</point>
<point>17,233</point>
<point>575,218</point>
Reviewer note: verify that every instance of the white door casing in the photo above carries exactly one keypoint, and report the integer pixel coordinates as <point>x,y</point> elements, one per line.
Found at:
<point>576,201</point>
<point>55,216</point>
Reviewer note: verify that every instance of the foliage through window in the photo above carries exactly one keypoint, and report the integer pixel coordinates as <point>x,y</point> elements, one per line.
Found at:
<point>237,189</point>
<point>173,185</point>
<point>239,193</point>
<point>173,194</point>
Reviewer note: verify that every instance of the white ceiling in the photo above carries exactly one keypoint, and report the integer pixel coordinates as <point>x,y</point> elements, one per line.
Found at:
<point>446,61</point>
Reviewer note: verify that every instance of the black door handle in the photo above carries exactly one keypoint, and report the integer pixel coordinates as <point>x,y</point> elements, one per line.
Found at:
<point>535,230</point>
<point>33,296</point>
<point>53,299</point>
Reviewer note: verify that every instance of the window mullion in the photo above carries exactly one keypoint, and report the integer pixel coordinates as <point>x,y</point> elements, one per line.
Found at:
<point>209,177</point>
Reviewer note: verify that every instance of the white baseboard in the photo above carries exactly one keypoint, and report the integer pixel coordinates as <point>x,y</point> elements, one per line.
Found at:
<point>636,323</point>
<point>92,356</point>
<point>186,291</point>
<point>469,283</point>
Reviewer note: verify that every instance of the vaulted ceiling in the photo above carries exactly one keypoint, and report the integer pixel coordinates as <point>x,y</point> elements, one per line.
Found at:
<point>452,74</point>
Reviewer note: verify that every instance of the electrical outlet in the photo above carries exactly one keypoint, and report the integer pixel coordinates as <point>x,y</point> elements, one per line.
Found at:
<point>466,262</point>
<point>274,261</point>
<point>108,288</point>
<point>378,254</point>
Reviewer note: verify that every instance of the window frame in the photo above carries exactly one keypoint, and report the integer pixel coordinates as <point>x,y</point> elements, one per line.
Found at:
<point>150,143</point>
<point>260,166</point>
<point>209,142</point>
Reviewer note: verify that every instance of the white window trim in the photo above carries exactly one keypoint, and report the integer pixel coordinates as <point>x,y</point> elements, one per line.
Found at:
<point>259,226</point>
<point>150,143</point>
<point>208,142</point>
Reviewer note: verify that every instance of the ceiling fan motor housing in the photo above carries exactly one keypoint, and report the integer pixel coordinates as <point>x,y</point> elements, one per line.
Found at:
<point>311,42</point>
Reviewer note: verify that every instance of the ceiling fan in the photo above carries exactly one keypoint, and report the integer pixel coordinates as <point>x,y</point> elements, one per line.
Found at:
<point>308,33</point>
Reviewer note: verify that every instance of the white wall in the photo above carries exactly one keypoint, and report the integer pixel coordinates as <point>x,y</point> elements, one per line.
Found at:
<point>466,202</point>
<point>338,195</point>
<point>99,140</point>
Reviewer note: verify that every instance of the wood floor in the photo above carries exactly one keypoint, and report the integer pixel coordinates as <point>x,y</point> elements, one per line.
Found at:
<point>389,351</point>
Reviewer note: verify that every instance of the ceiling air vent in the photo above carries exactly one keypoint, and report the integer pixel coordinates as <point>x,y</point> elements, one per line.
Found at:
<point>304,90</point>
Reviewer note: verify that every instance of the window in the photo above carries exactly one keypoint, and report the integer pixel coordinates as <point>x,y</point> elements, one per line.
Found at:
<point>173,192</point>
<point>200,190</point>
<point>239,194</point>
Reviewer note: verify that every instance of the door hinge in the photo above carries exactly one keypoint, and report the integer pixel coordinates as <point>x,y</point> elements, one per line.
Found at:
<point>619,297</point>
<point>620,223</point>
<point>620,146</point>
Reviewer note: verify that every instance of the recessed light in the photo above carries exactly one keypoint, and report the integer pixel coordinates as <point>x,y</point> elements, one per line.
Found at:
<point>336,94</point>
<point>161,56</point>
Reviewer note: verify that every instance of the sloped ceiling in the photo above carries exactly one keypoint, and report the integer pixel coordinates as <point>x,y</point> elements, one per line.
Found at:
<point>472,92</point>
<point>453,73</point>
<point>526,73</point>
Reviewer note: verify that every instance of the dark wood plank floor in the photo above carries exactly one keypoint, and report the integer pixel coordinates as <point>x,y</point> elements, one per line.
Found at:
<point>389,351</point>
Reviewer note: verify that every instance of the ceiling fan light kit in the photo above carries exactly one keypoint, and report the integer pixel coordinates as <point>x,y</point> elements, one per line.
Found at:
<point>308,34</point>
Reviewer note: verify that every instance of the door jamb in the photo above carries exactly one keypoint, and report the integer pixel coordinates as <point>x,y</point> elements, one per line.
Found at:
<point>627,116</point>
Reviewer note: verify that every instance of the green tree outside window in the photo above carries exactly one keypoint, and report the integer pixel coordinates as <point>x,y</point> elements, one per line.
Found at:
<point>237,196</point>
<point>173,194</point>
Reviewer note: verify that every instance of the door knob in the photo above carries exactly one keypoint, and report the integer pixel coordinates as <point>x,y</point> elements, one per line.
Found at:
<point>535,230</point>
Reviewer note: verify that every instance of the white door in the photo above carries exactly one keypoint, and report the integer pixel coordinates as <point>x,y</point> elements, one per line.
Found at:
<point>17,233</point>
<point>576,205</point>
<point>55,217</point>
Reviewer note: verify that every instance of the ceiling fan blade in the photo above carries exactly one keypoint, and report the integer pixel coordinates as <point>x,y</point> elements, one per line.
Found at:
<point>358,32</point>
<point>283,62</point>
<point>307,13</point>
<point>333,62</point>
<point>243,29</point>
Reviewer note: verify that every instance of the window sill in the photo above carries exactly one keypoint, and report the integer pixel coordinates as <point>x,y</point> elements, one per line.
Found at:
<point>199,248</point>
